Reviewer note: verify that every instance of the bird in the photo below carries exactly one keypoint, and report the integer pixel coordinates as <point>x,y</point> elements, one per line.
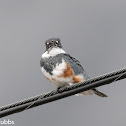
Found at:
<point>61,69</point>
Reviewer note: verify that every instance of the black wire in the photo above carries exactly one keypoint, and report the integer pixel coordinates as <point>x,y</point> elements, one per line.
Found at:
<point>65,92</point>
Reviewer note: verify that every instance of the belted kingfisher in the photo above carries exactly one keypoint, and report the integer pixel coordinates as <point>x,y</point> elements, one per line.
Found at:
<point>61,69</point>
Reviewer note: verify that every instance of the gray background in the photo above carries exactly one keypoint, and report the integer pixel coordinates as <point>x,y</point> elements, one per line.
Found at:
<point>93,31</point>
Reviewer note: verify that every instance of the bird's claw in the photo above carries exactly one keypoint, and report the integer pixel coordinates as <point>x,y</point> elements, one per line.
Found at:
<point>58,90</point>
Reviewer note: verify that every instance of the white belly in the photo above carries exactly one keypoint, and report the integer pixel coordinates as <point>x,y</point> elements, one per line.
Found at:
<point>57,71</point>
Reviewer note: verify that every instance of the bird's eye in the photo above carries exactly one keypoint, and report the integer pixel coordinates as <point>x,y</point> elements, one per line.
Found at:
<point>57,42</point>
<point>49,45</point>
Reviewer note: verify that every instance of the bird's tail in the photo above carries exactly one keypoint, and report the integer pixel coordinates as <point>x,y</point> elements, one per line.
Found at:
<point>91,92</point>
<point>99,93</point>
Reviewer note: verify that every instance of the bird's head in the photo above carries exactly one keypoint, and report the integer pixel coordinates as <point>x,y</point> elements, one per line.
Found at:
<point>52,43</point>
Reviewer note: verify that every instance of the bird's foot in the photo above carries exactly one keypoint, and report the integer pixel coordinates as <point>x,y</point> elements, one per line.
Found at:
<point>58,90</point>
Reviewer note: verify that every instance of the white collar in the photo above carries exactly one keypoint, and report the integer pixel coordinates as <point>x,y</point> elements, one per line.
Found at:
<point>53,52</point>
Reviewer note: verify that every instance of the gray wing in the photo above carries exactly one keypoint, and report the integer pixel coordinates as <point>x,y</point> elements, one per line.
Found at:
<point>51,62</point>
<point>46,65</point>
<point>42,62</point>
<point>75,65</point>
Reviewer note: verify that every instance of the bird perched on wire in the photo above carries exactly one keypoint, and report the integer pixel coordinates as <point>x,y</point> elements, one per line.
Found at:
<point>61,69</point>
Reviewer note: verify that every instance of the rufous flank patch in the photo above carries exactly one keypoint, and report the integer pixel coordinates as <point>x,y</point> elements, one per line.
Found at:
<point>68,72</point>
<point>77,79</point>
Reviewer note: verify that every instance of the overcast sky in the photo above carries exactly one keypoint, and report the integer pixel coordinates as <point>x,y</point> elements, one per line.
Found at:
<point>93,31</point>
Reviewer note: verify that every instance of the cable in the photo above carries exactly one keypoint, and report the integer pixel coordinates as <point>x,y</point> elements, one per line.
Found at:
<point>64,92</point>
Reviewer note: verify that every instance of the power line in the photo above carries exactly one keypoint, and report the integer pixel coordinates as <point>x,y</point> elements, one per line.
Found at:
<point>64,92</point>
